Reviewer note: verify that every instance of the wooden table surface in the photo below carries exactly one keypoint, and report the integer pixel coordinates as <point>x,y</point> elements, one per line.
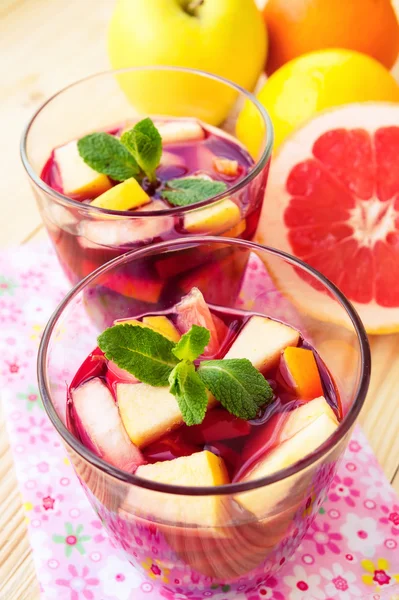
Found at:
<point>44,45</point>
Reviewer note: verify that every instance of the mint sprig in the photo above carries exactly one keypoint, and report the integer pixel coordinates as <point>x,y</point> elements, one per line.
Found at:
<point>192,344</point>
<point>190,190</point>
<point>144,142</point>
<point>141,351</point>
<point>238,386</point>
<point>155,360</point>
<point>105,154</point>
<point>137,154</point>
<point>190,392</point>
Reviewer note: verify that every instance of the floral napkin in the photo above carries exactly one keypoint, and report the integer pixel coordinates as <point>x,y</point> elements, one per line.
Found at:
<point>350,552</point>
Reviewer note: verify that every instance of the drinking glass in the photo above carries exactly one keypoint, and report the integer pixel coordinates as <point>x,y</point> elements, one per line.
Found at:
<point>86,237</point>
<point>192,540</point>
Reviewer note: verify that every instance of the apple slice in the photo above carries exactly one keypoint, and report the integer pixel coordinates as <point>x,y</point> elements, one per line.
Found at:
<point>213,219</point>
<point>298,366</point>
<point>305,441</point>
<point>198,469</point>
<point>283,426</point>
<point>262,341</point>
<point>193,310</point>
<point>99,420</point>
<point>149,412</point>
<point>77,177</point>
<point>127,195</point>
<point>225,166</point>
<point>180,130</point>
<point>124,231</point>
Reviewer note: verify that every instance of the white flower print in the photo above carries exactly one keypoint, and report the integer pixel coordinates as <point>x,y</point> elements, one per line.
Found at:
<point>119,578</point>
<point>42,466</point>
<point>376,484</point>
<point>303,586</point>
<point>340,583</point>
<point>362,534</point>
<point>49,590</point>
<point>41,542</point>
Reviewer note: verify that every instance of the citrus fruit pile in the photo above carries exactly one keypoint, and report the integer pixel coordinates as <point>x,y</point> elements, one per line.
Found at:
<point>296,27</point>
<point>333,201</point>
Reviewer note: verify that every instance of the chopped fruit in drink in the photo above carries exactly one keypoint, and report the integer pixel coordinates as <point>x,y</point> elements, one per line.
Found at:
<point>193,310</point>
<point>199,469</point>
<point>213,219</point>
<point>164,326</point>
<point>249,428</point>
<point>262,341</point>
<point>110,170</point>
<point>77,178</point>
<point>299,368</point>
<point>180,131</point>
<point>307,440</point>
<point>127,195</point>
<point>282,426</point>
<point>161,324</point>
<point>101,426</point>
<point>237,230</point>
<point>218,425</point>
<point>123,232</point>
<point>225,166</point>
<point>146,290</point>
<point>148,412</point>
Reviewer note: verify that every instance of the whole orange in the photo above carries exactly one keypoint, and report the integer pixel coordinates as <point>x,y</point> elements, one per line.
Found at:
<point>299,26</point>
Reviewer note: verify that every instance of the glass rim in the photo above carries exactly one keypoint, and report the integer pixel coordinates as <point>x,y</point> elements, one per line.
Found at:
<point>69,202</point>
<point>230,488</point>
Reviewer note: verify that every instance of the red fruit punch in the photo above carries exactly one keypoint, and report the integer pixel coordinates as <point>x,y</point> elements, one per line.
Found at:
<point>218,425</point>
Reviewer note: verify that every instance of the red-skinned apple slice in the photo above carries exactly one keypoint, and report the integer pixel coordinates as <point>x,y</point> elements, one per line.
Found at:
<point>98,417</point>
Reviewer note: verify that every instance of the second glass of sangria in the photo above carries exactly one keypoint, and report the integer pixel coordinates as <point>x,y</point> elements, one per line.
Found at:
<point>124,159</point>
<point>205,422</point>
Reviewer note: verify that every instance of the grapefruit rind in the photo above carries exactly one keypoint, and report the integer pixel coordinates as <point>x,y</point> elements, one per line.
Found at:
<point>273,231</point>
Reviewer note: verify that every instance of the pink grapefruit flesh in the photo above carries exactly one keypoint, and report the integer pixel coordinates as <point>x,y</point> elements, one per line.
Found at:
<point>333,201</point>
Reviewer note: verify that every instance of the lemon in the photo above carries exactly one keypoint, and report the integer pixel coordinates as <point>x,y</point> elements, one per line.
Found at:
<point>311,83</point>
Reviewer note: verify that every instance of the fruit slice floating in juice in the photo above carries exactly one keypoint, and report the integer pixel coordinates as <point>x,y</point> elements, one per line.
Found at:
<point>210,405</point>
<point>193,162</point>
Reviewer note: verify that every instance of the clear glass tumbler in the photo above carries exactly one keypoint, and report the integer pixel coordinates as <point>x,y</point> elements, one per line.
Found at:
<point>193,540</point>
<point>85,237</point>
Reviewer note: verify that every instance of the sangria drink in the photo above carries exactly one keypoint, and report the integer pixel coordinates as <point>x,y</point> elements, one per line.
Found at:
<point>205,433</point>
<point>130,171</point>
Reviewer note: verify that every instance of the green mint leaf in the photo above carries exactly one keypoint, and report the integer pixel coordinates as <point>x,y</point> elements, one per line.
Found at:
<point>190,392</point>
<point>105,154</point>
<point>144,142</point>
<point>192,343</point>
<point>238,386</point>
<point>143,352</point>
<point>191,190</point>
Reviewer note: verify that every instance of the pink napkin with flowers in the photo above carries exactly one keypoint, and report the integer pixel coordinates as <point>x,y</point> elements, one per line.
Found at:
<point>351,551</point>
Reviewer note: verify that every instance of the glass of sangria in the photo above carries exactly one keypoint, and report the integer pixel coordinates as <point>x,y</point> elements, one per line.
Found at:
<point>206,424</point>
<point>99,199</point>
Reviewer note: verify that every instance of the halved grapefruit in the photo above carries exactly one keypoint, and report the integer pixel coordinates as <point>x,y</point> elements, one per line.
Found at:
<point>333,201</point>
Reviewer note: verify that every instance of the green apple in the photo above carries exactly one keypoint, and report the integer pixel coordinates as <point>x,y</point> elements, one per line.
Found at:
<point>224,37</point>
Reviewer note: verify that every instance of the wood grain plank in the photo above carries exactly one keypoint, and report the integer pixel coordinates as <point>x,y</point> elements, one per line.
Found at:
<point>44,45</point>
